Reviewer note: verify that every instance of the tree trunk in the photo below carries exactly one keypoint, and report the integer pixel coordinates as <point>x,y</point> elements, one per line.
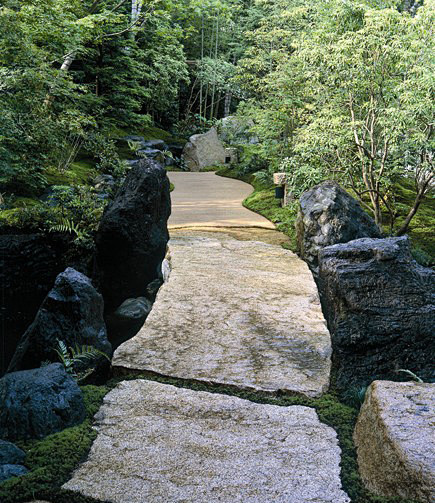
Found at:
<point>419,198</point>
<point>227,103</point>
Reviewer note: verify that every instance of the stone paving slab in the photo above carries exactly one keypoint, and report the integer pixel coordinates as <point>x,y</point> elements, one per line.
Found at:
<point>238,313</point>
<point>208,200</point>
<point>160,444</point>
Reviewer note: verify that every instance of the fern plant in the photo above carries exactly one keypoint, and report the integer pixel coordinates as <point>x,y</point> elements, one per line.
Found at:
<point>68,226</point>
<point>71,356</point>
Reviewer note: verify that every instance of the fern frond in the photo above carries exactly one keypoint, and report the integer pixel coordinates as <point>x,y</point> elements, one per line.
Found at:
<point>86,353</point>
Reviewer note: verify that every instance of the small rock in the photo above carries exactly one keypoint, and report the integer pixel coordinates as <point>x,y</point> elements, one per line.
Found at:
<point>204,150</point>
<point>154,144</point>
<point>394,440</point>
<point>153,288</point>
<point>166,270</point>
<point>329,215</point>
<point>134,309</point>
<point>125,322</point>
<point>150,153</point>
<point>10,454</point>
<point>8,471</point>
<point>104,183</point>
<point>132,162</point>
<point>72,312</point>
<point>136,138</point>
<point>379,306</point>
<point>38,402</point>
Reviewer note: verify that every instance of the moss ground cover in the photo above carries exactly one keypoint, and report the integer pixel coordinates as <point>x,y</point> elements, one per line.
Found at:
<point>53,459</point>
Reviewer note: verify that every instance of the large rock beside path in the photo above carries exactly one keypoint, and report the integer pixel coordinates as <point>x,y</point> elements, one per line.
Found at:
<point>132,236</point>
<point>238,313</point>
<point>29,264</point>
<point>380,308</point>
<point>204,150</point>
<point>394,436</point>
<point>159,444</point>
<point>72,312</point>
<point>329,215</point>
<point>35,403</point>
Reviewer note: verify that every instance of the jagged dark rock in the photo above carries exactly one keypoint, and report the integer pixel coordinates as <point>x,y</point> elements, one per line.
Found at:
<point>8,471</point>
<point>72,312</point>
<point>380,308</point>
<point>10,454</point>
<point>328,215</point>
<point>132,236</point>
<point>35,403</point>
<point>29,264</point>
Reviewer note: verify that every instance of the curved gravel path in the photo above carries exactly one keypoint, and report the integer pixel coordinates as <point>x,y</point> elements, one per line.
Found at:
<point>208,200</point>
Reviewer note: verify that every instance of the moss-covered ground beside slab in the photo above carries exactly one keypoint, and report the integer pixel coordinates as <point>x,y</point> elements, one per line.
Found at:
<point>53,459</point>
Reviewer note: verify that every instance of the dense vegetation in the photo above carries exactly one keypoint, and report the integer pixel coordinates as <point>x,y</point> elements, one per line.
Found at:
<point>336,90</point>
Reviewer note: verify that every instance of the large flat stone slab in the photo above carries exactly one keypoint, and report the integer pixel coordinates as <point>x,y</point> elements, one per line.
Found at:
<point>394,436</point>
<point>160,444</point>
<point>238,313</point>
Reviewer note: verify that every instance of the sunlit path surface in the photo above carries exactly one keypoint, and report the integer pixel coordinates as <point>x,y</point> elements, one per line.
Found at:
<point>208,200</point>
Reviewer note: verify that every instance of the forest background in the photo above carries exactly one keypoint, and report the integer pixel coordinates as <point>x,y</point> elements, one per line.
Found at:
<point>338,89</point>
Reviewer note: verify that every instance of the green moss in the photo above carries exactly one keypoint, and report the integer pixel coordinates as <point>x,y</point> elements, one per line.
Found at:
<point>79,172</point>
<point>52,459</point>
<point>25,202</point>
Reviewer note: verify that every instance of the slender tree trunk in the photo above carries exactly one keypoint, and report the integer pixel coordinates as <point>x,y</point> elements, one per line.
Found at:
<point>215,64</point>
<point>227,103</point>
<point>202,61</point>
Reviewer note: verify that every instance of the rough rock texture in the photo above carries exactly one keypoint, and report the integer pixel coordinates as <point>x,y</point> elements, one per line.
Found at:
<point>126,321</point>
<point>29,265</point>
<point>380,308</point>
<point>8,471</point>
<point>132,236</point>
<point>159,444</point>
<point>10,454</point>
<point>394,436</point>
<point>329,215</point>
<point>203,150</point>
<point>72,312</point>
<point>35,403</point>
<point>239,313</point>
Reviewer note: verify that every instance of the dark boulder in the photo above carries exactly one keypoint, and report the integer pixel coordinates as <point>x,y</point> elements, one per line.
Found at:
<point>329,215</point>
<point>127,320</point>
<point>72,312</point>
<point>8,471</point>
<point>35,403</point>
<point>10,454</point>
<point>380,308</point>
<point>29,264</point>
<point>133,234</point>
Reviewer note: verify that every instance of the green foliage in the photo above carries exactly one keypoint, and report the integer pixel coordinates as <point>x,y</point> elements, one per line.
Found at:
<point>75,356</point>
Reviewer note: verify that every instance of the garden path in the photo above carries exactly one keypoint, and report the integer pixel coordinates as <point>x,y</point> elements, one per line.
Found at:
<point>236,314</point>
